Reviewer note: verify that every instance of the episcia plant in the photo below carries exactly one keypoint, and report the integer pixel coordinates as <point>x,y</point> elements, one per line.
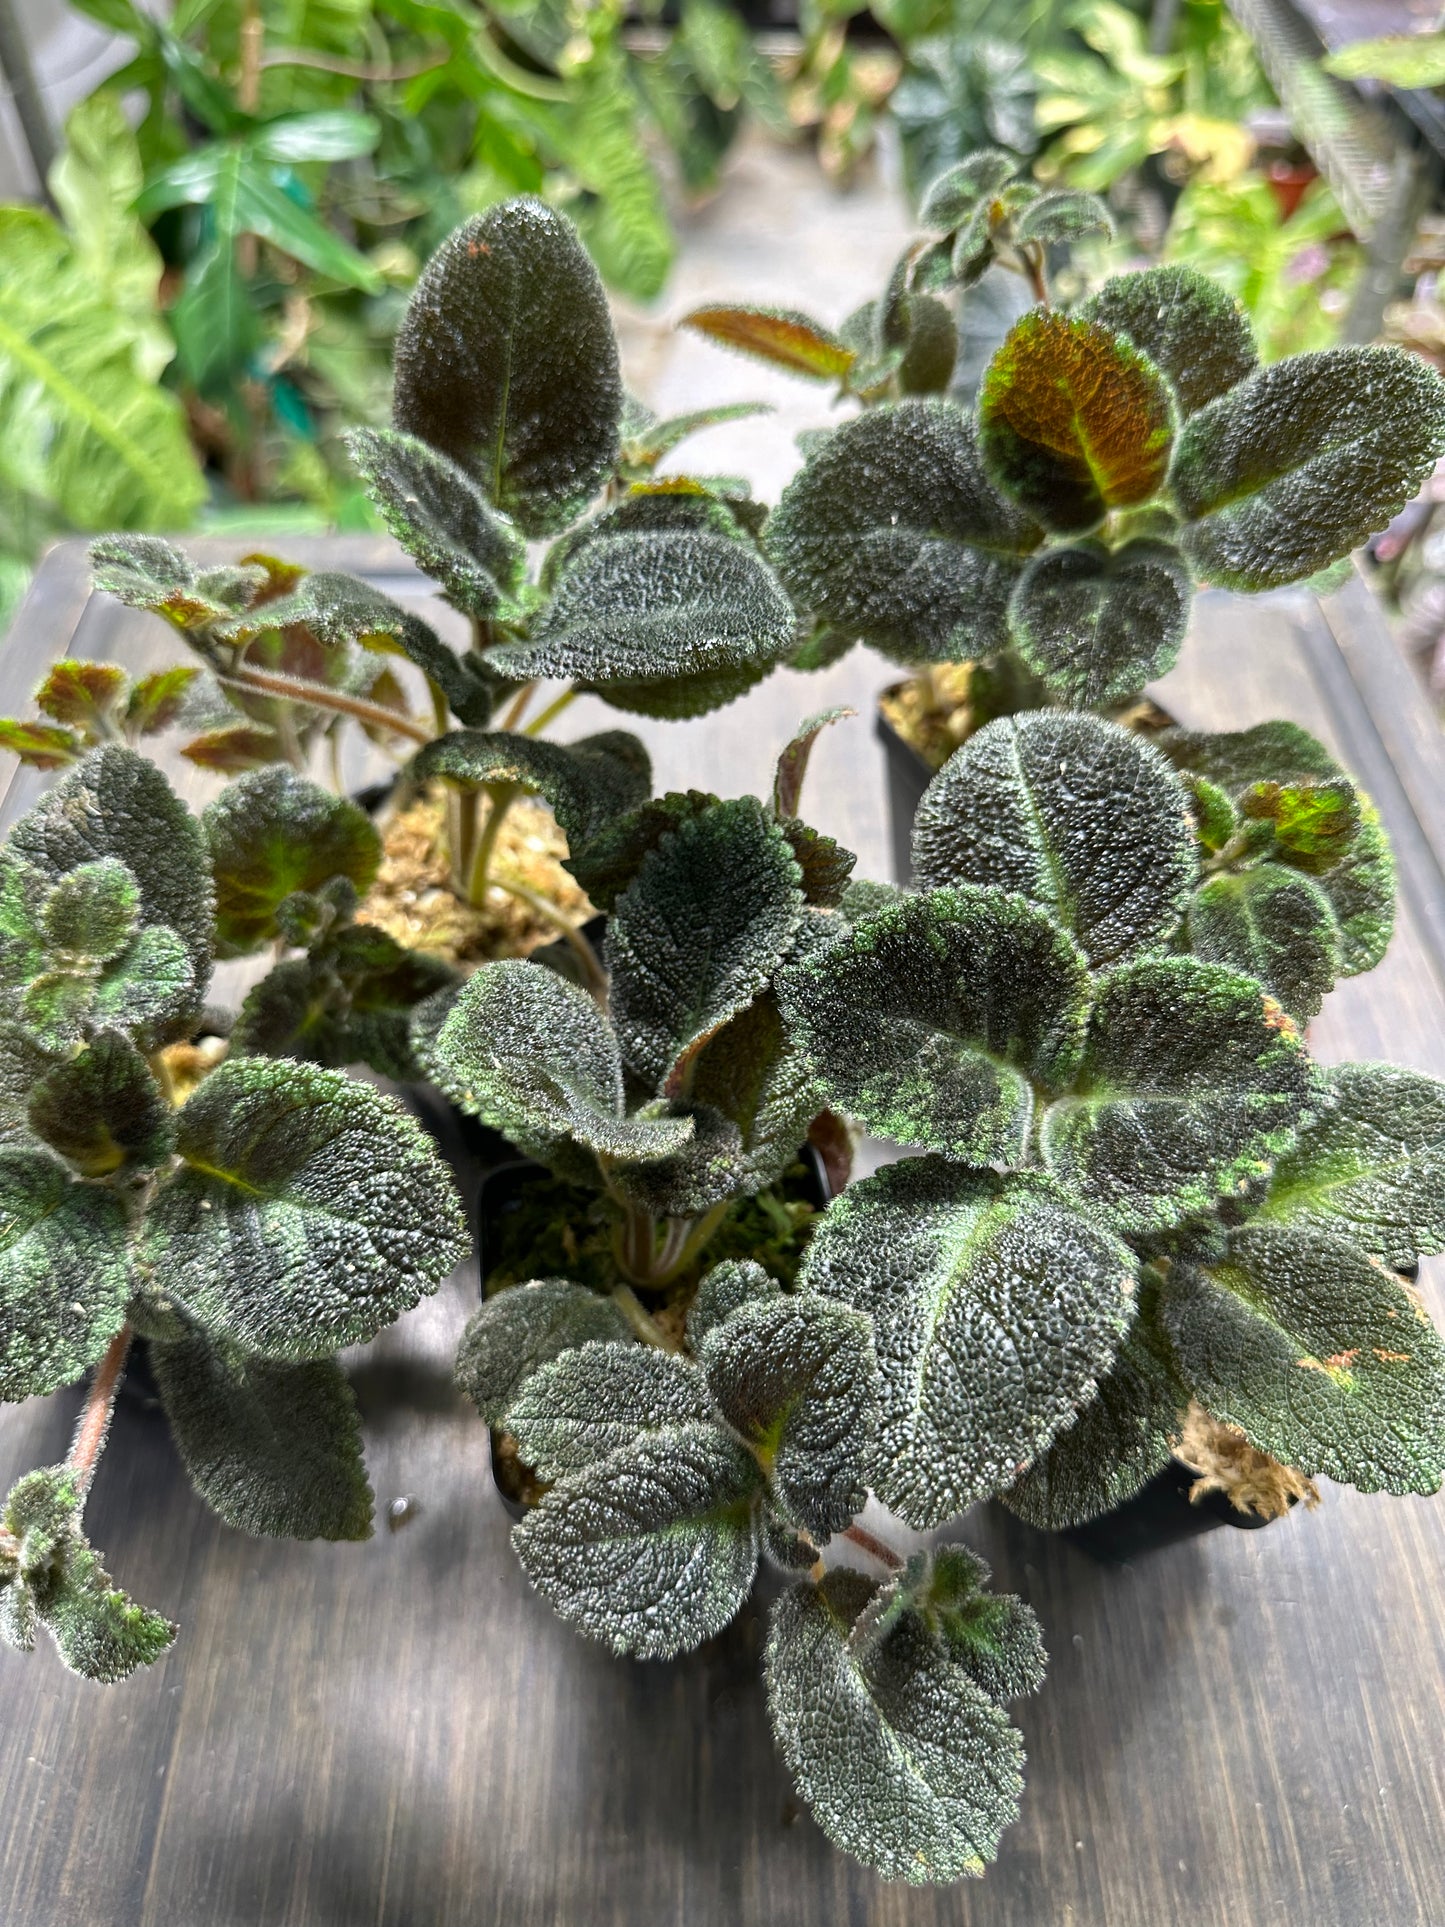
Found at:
<point>685,1411</point>
<point>1139,1210</point>
<point>511,426</point>
<point>1049,533</point>
<point>247,1218</point>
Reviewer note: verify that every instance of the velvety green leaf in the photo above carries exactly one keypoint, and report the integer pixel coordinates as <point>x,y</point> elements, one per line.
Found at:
<point>534,1057</point>
<point>796,1377</point>
<point>781,336</point>
<point>59,1582</point>
<point>116,804</point>
<point>996,1308</point>
<point>606,863</point>
<point>349,1002</point>
<point>1196,334</point>
<point>931,351</point>
<point>824,866</point>
<point>1280,775</point>
<point>753,1072</point>
<point>1320,1356</point>
<point>994,1637</point>
<point>1119,1440</point>
<point>1372,1168</point>
<point>506,364</point>
<point>706,1169</point>
<point>518,1331</point>
<point>1193,1080</point>
<point>596,1397</point>
<point>654,1548</point>
<point>1073,421</point>
<point>934,1021</point>
<point>102,1110</point>
<point>893,532</point>
<point>440,517</point>
<point>699,932</point>
<point>1297,465</point>
<point>677,698</point>
<point>65,1273</point>
<point>307,1212</point>
<point>1097,624</point>
<point>645,439</point>
<point>657,606</point>
<point>903,1760</point>
<point>1066,216</point>
<point>735,1282</point>
<point>93,911</point>
<point>155,700</point>
<point>272,833</point>
<point>958,189</point>
<point>147,572</point>
<point>1082,817</point>
<point>274,1449</point>
<point>587,783</point>
<point>1273,924</point>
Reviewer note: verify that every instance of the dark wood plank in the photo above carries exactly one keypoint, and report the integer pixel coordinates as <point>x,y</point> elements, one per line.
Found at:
<point>1244,1731</point>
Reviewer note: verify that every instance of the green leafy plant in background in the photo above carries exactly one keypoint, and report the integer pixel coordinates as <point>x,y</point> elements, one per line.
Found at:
<point>1291,272</point>
<point>1117,454</point>
<point>278,1213</point>
<point>91,437</point>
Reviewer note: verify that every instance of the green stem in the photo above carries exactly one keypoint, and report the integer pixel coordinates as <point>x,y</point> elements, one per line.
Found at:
<point>552,711</point>
<point>517,708</point>
<point>641,1320</point>
<point>461,830</point>
<point>502,796</point>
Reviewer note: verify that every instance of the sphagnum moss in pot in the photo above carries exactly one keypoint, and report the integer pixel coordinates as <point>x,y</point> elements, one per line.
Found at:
<point>1141,1216</point>
<point>1041,543</point>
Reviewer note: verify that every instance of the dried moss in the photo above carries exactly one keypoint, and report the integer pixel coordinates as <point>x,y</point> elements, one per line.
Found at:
<point>1226,1462</point>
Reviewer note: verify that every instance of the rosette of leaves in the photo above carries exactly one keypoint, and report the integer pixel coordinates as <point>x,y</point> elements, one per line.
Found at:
<point>680,1094</point>
<point>1137,1190</point>
<point>1117,454</point>
<point>281,1212</point>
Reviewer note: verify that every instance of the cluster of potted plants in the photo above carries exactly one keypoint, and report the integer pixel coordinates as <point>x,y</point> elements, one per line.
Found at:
<point>1143,1225</point>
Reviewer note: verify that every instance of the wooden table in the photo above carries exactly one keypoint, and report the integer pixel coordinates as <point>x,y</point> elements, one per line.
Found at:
<point>1242,1731</point>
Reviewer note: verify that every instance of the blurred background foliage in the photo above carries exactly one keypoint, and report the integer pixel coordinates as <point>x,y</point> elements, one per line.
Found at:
<point>238,213</point>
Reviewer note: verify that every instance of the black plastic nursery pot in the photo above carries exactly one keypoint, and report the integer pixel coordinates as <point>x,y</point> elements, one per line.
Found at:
<point>907,776</point>
<point>503,1194</point>
<point>1161,1513</point>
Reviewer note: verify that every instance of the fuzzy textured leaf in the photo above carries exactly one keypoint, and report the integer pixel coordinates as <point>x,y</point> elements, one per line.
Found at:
<point>796,1376</point>
<point>1193,1081</point>
<point>1372,1168</point>
<point>441,518</point>
<point>996,1308</point>
<point>518,1331</point>
<point>1073,421</point>
<point>307,1212</point>
<point>1082,817</point>
<point>903,1760</point>
<point>658,606</point>
<point>781,336</point>
<point>102,1110</point>
<point>699,932</point>
<point>735,1282</point>
<point>65,1273</point>
<point>587,783</point>
<point>533,1057</point>
<point>1097,624</point>
<point>1293,468</point>
<point>894,532</point>
<point>653,1549</point>
<point>933,1021</point>
<point>1273,924</point>
<point>272,833</point>
<point>506,363</point>
<point>274,1449</point>
<point>1196,334</point>
<point>1320,1356</point>
<point>596,1397</point>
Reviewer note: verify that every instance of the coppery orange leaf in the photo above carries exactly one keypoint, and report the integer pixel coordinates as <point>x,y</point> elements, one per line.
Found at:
<point>1073,421</point>
<point>789,340</point>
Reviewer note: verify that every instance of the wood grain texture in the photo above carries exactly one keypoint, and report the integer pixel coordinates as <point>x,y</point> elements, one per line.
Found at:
<point>1245,1730</point>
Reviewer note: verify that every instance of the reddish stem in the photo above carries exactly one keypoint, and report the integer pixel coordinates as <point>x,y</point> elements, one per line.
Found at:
<point>875,1548</point>
<point>296,689</point>
<point>95,1414</point>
